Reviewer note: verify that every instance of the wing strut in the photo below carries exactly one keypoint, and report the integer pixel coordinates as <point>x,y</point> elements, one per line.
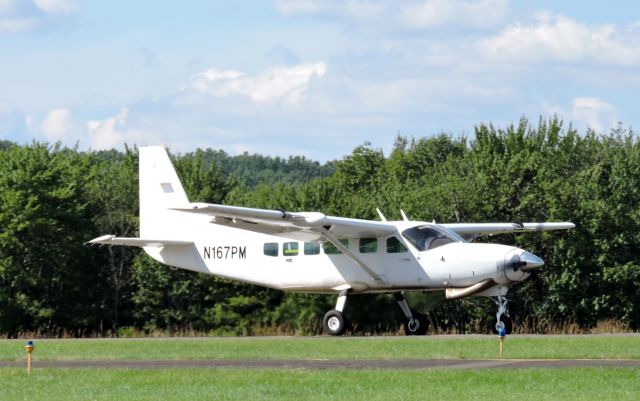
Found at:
<point>347,252</point>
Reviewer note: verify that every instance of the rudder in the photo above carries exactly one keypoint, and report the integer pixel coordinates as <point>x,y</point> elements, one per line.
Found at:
<point>160,190</point>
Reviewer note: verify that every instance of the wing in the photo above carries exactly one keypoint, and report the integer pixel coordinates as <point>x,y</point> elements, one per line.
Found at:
<point>304,226</point>
<point>471,231</point>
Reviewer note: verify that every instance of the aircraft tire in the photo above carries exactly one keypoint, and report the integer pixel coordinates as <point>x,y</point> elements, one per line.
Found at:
<point>508,324</point>
<point>423,325</point>
<point>334,323</point>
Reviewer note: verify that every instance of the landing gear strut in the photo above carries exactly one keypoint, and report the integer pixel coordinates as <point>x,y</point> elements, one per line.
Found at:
<point>502,321</point>
<point>335,322</point>
<point>415,323</point>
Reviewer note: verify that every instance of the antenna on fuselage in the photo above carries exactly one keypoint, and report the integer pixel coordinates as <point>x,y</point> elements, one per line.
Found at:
<point>404,215</point>
<point>381,215</point>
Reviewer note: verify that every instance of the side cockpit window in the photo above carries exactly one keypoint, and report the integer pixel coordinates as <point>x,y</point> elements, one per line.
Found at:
<point>330,249</point>
<point>368,245</point>
<point>425,238</point>
<point>395,246</point>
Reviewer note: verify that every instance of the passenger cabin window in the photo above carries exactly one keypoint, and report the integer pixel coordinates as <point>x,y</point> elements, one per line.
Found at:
<point>395,246</point>
<point>311,248</point>
<point>331,249</point>
<point>290,249</point>
<point>368,245</point>
<point>271,249</point>
<point>425,237</point>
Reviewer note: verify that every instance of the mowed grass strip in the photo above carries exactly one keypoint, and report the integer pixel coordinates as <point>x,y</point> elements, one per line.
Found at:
<point>240,384</point>
<point>447,347</point>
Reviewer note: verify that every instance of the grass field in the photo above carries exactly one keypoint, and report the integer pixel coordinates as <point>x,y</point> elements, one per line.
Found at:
<point>460,347</point>
<point>239,384</point>
<point>300,384</point>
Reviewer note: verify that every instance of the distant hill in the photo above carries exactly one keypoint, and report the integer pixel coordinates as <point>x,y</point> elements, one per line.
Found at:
<point>257,169</point>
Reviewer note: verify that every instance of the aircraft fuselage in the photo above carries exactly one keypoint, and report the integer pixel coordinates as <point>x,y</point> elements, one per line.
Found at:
<point>316,266</point>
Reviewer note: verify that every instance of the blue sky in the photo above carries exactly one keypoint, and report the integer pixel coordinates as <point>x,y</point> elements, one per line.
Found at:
<point>308,77</point>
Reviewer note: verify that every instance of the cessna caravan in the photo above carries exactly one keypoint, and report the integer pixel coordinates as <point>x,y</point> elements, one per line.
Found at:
<point>315,253</point>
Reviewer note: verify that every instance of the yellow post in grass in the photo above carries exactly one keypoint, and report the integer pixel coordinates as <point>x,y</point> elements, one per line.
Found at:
<point>29,347</point>
<point>501,335</point>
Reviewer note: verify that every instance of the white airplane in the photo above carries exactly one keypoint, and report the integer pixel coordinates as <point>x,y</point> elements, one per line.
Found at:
<point>314,253</point>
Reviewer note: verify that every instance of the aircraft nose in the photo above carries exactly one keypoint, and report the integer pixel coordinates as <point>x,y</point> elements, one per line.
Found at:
<point>529,261</point>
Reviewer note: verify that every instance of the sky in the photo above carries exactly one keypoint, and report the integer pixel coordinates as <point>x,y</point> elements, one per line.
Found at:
<point>308,77</point>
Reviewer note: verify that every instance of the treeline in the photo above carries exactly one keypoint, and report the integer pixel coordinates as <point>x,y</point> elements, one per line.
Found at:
<point>53,200</point>
<point>251,170</point>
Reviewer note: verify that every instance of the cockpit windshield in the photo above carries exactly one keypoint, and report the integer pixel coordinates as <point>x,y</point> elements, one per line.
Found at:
<point>428,237</point>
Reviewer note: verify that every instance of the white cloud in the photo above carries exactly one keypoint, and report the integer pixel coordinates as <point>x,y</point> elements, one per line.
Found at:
<point>24,16</point>
<point>114,132</point>
<point>594,113</point>
<point>58,125</point>
<point>433,13</point>
<point>287,84</point>
<point>57,7</point>
<point>563,39</point>
<point>585,113</point>
<point>108,133</point>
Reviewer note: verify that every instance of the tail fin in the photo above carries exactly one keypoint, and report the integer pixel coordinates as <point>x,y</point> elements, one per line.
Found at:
<point>160,190</point>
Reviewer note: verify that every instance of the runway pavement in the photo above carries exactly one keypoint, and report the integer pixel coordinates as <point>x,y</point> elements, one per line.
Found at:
<point>313,364</point>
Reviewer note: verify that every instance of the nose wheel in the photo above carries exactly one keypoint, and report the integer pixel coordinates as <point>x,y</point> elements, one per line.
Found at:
<point>502,320</point>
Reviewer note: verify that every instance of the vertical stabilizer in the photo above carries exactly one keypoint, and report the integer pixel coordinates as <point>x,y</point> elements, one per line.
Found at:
<point>160,190</point>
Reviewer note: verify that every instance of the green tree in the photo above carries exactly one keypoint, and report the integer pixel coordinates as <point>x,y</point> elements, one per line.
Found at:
<point>46,275</point>
<point>114,204</point>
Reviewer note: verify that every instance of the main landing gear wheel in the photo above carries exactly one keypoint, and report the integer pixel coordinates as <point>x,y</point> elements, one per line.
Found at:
<point>334,323</point>
<point>417,326</point>
<point>414,323</point>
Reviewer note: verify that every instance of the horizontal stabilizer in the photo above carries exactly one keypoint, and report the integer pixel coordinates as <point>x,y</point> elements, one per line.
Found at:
<point>141,242</point>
